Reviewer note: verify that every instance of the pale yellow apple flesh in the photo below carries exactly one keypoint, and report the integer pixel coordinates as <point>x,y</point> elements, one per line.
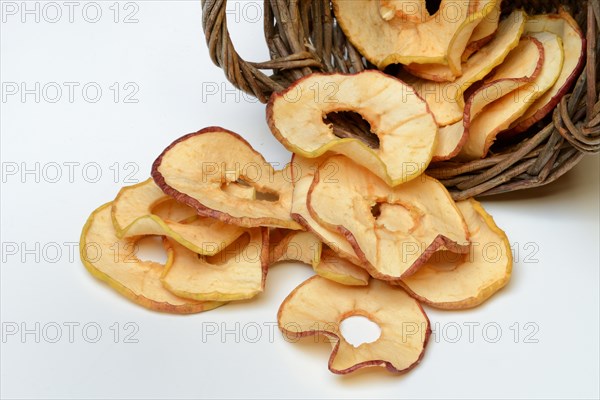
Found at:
<point>295,246</point>
<point>566,28</point>
<point>397,115</point>
<point>499,115</point>
<point>484,32</point>
<point>318,306</point>
<point>445,100</point>
<point>137,210</point>
<point>403,31</point>
<point>337,269</point>
<point>453,283</point>
<point>413,220</point>
<point>114,261</point>
<point>198,168</point>
<point>451,138</point>
<point>236,273</point>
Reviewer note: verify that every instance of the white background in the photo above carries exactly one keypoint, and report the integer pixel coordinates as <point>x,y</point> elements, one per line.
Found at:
<point>554,230</point>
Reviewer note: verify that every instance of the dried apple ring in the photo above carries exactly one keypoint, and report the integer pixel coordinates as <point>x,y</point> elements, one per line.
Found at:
<point>113,261</point>
<point>198,168</point>
<point>392,230</point>
<point>468,281</point>
<point>396,113</point>
<point>318,306</point>
<point>401,31</point>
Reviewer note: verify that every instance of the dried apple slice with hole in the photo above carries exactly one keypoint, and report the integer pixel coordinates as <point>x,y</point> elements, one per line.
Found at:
<point>318,306</point>
<point>445,100</point>
<point>563,25</point>
<point>523,65</point>
<point>198,168</point>
<point>397,115</point>
<point>303,172</point>
<point>238,272</point>
<point>457,283</point>
<point>458,44</point>
<point>113,260</point>
<point>392,230</point>
<point>134,213</point>
<point>404,32</point>
<point>500,114</point>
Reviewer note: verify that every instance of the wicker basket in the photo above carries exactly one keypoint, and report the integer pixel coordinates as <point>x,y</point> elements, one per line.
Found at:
<point>303,37</point>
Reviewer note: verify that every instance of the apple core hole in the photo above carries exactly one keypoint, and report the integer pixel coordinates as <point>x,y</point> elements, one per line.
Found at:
<point>350,124</point>
<point>376,210</point>
<point>358,330</point>
<point>433,6</point>
<point>150,248</point>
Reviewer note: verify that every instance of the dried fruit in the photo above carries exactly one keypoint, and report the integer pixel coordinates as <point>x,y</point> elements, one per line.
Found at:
<point>392,230</point>
<point>198,168</point>
<point>397,115</point>
<point>303,172</point>
<point>445,100</point>
<point>318,306</point>
<point>337,269</point>
<point>404,32</point>
<point>563,25</point>
<point>144,209</point>
<point>500,114</point>
<point>114,261</point>
<point>452,282</point>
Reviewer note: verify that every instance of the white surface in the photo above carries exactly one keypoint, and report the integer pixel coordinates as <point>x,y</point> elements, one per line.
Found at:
<point>555,289</point>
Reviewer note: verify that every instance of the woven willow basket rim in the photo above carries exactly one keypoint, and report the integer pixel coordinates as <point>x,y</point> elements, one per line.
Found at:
<point>303,37</point>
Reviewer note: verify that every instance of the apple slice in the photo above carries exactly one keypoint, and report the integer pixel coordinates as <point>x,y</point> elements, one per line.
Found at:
<point>458,44</point>
<point>404,32</point>
<point>198,168</point>
<point>134,214</point>
<point>397,115</point>
<point>453,283</point>
<point>566,28</point>
<point>113,260</point>
<point>392,230</point>
<point>451,138</point>
<point>484,32</point>
<point>523,65</point>
<point>236,273</point>
<point>431,72</point>
<point>303,174</point>
<point>337,269</point>
<point>295,246</point>
<point>307,248</point>
<point>318,306</point>
<point>445,100</point>
<point>500,114</point>
<point>482,35</point>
